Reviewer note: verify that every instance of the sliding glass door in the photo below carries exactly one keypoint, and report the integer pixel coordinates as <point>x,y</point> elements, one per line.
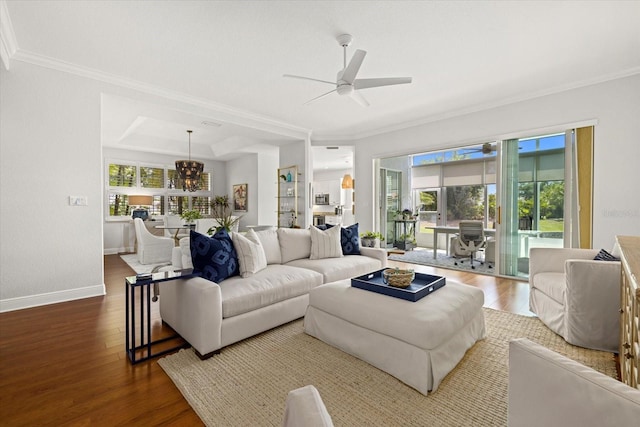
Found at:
<point>391,191</point>
<point>532,199</point>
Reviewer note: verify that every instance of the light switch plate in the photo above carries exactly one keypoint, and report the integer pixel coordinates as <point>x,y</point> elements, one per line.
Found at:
<point>78,201</point>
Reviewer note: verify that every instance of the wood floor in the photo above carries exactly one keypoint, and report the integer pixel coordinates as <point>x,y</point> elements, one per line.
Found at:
<point>65,364</point>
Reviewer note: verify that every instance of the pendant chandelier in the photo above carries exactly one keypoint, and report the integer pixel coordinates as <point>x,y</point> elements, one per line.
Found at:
<point>189,171</point>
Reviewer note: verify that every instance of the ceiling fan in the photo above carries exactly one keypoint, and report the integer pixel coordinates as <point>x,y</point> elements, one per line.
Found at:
<point>346,82</point>
<point>486,148</point>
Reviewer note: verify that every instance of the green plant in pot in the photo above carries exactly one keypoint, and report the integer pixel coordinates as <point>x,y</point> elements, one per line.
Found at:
<point>223,215</point>
<point>371,239</point>
<point>190,215</point>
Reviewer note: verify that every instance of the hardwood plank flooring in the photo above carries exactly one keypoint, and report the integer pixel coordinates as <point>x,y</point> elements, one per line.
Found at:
<point>65,364</point>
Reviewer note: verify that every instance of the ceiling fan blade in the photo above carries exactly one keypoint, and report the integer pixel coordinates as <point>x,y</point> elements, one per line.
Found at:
<point>385,81</point>
<point>352,69</point>
<point>357,96</point>
<point>321,96</point>
<point>307,78</point>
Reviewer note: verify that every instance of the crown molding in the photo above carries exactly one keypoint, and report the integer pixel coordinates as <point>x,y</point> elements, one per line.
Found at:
<point>8,45</point>
<point>236,116</point>
<point>479,107</point>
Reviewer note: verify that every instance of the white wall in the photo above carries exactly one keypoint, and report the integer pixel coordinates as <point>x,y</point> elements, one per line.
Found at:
<point>267,190</point>
<point>49,150</point>
<point>615,105</point>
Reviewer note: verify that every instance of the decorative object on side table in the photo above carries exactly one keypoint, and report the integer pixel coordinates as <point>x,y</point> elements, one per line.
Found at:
<point>371,239</point>
<point>140,202</point>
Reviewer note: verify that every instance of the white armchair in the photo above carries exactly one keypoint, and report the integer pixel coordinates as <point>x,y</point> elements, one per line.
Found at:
<point>575,296</point>
<point>151,249</point>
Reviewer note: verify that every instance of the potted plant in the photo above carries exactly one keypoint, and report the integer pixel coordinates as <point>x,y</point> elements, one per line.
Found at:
<point>190,215</point>
<point>223,214</point>
<point>371,239</point>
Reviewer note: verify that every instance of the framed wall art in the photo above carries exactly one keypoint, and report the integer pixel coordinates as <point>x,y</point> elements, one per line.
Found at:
<point>240,197</point>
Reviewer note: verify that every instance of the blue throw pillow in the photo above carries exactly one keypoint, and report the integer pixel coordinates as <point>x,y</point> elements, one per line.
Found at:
<point>605,256</point>
<point>214,258</point>
<point>348,238</point>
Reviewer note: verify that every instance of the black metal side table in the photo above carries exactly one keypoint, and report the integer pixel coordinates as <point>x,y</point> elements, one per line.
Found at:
<point>146,344</point>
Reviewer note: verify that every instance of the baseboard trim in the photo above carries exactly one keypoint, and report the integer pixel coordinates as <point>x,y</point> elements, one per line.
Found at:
<point>30,301</point>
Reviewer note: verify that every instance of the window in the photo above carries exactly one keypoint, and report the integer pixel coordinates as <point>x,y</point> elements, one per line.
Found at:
<point>160,182</point>
<point>465,202</point>
<point>151,177</point>
<point>122,175</point>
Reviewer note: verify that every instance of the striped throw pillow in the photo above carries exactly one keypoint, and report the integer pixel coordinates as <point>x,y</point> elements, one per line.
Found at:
<point>325,243</point>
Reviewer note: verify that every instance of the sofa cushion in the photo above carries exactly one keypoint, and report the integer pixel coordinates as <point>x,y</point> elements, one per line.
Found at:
<point>251,257</point>
<point>271,245</point>
<point>333,269</point>
<point>214,258</point>
<point>551,284</point>
<point>295,243</point>
<point>325,243</point>
<point>273,284</point>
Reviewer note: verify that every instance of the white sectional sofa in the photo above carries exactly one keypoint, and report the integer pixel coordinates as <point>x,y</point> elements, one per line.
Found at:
<point>212,315</point>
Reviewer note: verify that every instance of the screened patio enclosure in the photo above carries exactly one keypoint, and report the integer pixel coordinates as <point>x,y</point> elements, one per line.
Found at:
<point>523,190</point>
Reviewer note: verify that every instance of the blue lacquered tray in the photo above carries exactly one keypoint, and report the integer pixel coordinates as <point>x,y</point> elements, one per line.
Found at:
<point>420,287</point>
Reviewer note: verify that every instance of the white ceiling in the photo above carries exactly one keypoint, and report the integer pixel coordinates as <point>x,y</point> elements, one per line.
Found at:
<point>230,56</point>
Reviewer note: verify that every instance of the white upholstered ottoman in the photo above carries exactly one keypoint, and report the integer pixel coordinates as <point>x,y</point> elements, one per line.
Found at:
<point>417,342</point>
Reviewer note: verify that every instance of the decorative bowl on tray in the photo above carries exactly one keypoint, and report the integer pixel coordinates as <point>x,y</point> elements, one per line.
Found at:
<point>398,278</point>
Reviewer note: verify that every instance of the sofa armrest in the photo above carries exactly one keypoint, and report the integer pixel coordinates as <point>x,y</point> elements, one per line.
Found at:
<point>377,253</point>
<point>304,407</point>
<point>546,389</point>
<point>553,259</point>
<point>193,308</point>
<point>592,303</point>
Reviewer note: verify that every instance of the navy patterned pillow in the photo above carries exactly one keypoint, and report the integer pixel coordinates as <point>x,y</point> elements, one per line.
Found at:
<point>348,238</point>
<point>213,257</point>
<point>605,256</point>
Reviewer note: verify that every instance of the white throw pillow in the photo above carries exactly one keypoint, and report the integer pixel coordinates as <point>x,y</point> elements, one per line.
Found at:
<point>271,245</point>
<point>295,243</point>
<point>251,257</point>
<point>325,243</point>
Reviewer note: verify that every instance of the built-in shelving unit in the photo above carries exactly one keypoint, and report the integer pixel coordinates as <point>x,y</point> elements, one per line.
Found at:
<point>288,196</point>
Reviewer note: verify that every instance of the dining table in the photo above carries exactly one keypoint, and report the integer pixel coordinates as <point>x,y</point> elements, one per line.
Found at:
<point>176,228</point>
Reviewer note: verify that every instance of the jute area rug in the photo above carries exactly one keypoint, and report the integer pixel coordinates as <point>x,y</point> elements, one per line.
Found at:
<point>247,384</point>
